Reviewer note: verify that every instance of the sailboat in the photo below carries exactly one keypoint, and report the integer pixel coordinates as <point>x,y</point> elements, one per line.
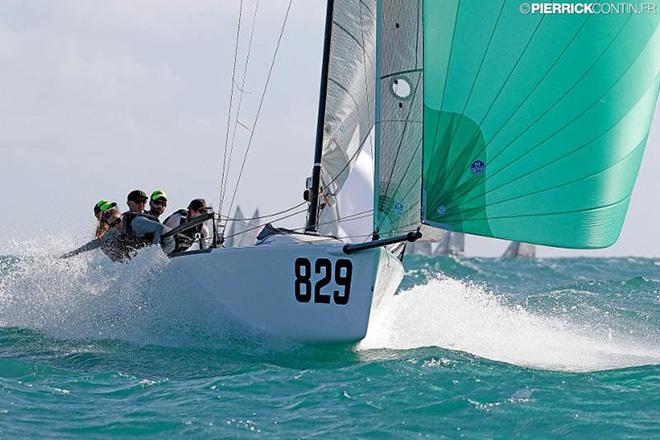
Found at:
<point>520,250</point>
<point>242,231</point>
<point>235,228</point>
<point>484,120</point>
<point>450,244</point>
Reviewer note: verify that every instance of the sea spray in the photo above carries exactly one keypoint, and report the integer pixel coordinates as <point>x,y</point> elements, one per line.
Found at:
<point>456,315</point>
<point>146,300</point>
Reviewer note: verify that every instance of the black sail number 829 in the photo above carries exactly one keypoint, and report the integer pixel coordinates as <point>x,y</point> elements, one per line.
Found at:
<point>308,290</point>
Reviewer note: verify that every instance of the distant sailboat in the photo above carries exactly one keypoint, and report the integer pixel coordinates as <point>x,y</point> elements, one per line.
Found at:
<point>520,250</point>
<point>242,232</point>
<point>453,243</point>
<point>250,235</point>
<point>450,243</point>
<point>235,228</point>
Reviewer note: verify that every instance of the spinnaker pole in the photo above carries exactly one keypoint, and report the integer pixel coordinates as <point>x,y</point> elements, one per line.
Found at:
<point>312,217</point>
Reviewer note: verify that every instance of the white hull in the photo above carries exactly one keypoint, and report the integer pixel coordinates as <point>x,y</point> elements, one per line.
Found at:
<point>269,288</point>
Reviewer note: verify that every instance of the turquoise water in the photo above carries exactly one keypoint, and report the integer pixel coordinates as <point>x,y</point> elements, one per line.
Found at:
<point>478,348</point>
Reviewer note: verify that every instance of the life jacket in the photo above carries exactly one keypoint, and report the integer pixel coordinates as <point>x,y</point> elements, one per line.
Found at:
<point>128,242</point>
<point>185,239</point>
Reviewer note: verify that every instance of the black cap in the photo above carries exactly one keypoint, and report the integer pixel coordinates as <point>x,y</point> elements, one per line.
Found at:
<point>197,204</point>
<point>137,196</point>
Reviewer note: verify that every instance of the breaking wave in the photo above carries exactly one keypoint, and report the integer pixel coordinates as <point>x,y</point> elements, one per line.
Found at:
<point>455,315</point>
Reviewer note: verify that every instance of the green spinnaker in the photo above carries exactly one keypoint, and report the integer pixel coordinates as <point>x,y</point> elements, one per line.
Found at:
<point>535,124</point>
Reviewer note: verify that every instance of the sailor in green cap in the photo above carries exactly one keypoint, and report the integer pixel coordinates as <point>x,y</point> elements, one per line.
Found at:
<point>157,203</point>
<point>99,208</point>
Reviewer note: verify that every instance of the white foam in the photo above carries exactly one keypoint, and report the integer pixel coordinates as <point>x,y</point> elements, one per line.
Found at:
<point>454,315</point>
<point>144,300</point>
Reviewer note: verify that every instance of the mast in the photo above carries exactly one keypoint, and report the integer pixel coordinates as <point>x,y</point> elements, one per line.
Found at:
<point>312,218</point>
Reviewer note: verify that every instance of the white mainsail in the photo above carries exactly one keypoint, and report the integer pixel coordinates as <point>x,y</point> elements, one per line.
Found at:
<point>350,214</point>
<point>350,107</point>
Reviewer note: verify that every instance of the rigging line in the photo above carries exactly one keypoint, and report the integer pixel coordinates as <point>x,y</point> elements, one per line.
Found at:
<point>347,218</point>
<point>242,125</point>
<point>343,237</point>
<point>338,221</point>
<point>239,220</point>
<point>228,219</point>
<point>242,90</point>
<point>240,101</point>
<point>231,100</point>
<point>263,224</point>
<point>261,101</point>
<point>276,213</point>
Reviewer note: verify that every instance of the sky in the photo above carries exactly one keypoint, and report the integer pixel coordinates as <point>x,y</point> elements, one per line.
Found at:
<point>101,97</point>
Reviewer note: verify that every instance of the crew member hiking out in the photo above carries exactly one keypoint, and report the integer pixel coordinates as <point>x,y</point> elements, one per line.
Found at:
<point>157,204</point>
<point>185,239</point>
<point>99,208</point>
<point>136,200</point>
<point>125,235</point>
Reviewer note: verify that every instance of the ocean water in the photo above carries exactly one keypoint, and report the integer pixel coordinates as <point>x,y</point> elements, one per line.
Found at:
<point>474,348</point>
